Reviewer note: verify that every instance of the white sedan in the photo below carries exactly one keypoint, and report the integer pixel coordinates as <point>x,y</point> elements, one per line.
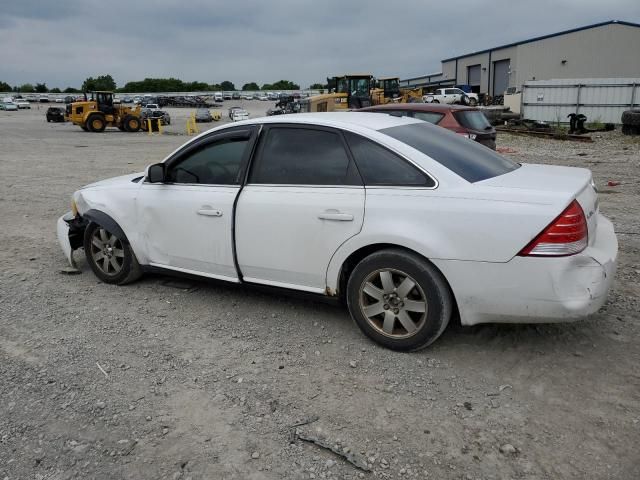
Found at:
<point>405,221</point>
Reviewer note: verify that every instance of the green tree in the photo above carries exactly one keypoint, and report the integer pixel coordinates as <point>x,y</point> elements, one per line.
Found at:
<point>5,87</point>
<point>282,85</point>
<point>227,85</point>
<point>250,86</point>
<point>71,90</point>
<point>41,88</point>
<point>55,90</point>
<point>27,88</point>
<point>317,86</point>
<point>103,82</point>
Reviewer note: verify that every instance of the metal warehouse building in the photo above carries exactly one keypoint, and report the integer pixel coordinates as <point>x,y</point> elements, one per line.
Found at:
<point>603,50</point>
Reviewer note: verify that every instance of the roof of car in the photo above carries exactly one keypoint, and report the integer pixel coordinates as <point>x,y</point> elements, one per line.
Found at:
<point>418,107</point>
<point>371,121</point>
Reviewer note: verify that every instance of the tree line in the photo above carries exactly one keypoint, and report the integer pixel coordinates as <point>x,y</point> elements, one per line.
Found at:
<point>106,82</point>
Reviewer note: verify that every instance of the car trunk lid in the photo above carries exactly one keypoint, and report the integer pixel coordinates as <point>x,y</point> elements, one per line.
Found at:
<point>553,184</point>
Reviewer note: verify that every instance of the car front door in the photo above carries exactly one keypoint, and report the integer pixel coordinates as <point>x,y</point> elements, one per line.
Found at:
<point>303,199</point>
<point>188,220</point>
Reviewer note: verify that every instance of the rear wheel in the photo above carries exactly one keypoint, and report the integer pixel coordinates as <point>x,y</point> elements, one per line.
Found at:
<point>96,123</point>
<point>399,300</point>
<point>473,102</point>
<point>131,123</point>
<point>110,257</point>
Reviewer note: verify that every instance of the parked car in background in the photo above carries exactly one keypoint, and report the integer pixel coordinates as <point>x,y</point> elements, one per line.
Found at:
<point>70,99</point>
<point>151,106</point>
<point>451,96</point>
<point>9,106</point>
<point>22,103</point>
<point>237,114</point>
<point>55,114</point>
<point>59,100</point>
<point>127,100</point>
<point>451,228</point>
<point>203,115</point>
<point>218,97</point>
<point>43,98</point>
<point>466,121</point>
<point>236,96</point>
<point>227,96</point>
<point>164,116</point>
<point>247,96</point>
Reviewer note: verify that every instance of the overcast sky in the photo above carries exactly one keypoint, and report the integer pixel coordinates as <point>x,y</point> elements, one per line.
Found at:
<point>63,42</point>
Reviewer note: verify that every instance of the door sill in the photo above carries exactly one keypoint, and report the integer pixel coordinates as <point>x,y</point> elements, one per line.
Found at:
<point>196,273</point>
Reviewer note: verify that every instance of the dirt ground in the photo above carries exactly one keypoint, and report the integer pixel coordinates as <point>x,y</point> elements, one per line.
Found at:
<point>179,379</point>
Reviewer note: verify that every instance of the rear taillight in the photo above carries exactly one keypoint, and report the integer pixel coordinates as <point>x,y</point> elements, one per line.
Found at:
<point>566,235</point>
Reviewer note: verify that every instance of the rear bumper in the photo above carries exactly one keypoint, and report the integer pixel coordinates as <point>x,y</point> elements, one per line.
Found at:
<point>536,289</point>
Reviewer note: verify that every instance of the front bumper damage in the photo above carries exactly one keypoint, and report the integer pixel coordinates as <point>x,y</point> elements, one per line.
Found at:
<point>70,230</point>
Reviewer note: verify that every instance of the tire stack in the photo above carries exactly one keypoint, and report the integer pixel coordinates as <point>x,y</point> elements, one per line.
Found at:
<point>631,122</point>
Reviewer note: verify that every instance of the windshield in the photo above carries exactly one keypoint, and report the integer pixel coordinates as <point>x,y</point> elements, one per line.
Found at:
<point>468,159</point>
<point>473,119</point>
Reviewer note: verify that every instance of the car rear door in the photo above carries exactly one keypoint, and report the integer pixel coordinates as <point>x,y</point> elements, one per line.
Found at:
<point>303,199</point>
<point>188,220</point>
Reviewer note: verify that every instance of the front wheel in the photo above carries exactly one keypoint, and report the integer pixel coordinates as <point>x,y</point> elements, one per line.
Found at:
<point>110,257</point>
<point>399,300</point>
<point>131,123</point>
<point>473,102</point>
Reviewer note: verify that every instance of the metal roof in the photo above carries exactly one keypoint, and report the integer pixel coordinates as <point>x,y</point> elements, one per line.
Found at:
<point>535,39</point>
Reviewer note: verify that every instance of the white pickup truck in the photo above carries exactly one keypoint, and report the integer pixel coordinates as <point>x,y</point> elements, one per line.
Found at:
<point>451,95</point>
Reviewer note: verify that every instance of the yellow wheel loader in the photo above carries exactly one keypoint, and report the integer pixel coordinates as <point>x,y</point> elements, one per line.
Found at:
<point>98,112</point>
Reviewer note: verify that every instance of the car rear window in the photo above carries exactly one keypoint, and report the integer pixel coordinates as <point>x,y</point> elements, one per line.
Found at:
<point>468,159</point>
<point>431,117</point>
<point>473,119</point>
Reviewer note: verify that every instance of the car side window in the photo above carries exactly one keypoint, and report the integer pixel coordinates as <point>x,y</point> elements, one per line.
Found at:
<point>216,163</point>
<point>431,117</point>
<point>303,156</point>
<point>379,166</point>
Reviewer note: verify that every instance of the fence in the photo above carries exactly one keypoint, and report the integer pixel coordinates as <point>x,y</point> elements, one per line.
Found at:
<point>600,99</point>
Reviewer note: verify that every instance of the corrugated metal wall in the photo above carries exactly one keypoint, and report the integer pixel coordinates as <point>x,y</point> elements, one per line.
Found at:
<point>600,99</point>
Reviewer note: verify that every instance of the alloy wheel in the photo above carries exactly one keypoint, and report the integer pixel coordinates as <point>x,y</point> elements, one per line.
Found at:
<point>393,303</point>
<point>107,252</point>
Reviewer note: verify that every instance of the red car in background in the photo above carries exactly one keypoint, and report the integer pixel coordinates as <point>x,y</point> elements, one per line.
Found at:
<point>467,121</point>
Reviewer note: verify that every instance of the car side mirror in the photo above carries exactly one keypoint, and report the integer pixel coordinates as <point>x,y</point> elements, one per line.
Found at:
<point>155,173</point>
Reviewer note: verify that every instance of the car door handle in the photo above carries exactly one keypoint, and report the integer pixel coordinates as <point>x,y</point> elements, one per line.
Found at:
<point>210,212</point>
<point>337,216</point>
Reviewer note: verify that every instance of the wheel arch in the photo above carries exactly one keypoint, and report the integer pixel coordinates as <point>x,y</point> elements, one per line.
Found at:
<point>352,259</point>
<point>104,220</point>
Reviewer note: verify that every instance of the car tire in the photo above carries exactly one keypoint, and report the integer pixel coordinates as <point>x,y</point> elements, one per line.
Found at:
<point>435,101</point>
<point>631,117</point>
<point>464,100</point>
<point>131,123</point>
<point>96,123</point>
<point>473,102</point>
<point>399,300</point>
<point>111,258</point>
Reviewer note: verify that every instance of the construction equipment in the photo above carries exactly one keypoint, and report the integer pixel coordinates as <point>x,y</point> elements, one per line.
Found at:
<point>345,91</point>
<point>99,112</point>
<point>386,90</point>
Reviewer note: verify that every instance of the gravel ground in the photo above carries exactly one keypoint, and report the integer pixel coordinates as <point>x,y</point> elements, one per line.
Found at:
<point>177,379</point>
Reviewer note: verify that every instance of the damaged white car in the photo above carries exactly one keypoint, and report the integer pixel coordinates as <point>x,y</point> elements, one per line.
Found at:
<point>407,222</point>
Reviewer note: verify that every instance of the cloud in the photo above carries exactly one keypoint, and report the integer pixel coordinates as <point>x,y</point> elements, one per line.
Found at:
<point>62,43</point>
